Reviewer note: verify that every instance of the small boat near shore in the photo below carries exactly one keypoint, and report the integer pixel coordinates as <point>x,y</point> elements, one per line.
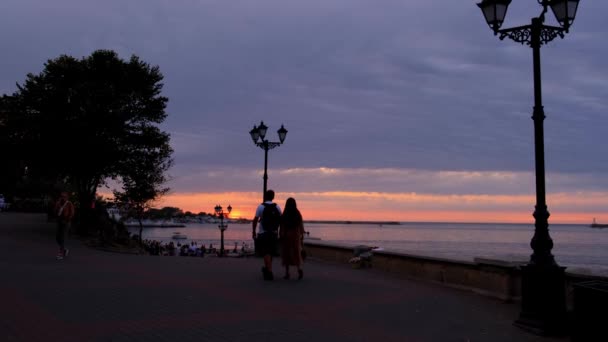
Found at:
<point>179,236</point>
<point>594,224</point>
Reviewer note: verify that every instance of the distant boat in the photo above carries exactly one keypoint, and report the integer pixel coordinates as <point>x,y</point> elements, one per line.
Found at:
<point>598,225</point>
<point>179,236</point>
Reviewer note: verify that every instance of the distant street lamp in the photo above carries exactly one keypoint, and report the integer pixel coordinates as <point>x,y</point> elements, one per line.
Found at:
<point>257,135</point>
<point>220,213</point>
<point>543,282</point>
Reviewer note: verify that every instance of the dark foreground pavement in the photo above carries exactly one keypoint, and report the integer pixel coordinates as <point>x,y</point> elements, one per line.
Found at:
<point>100,296</point>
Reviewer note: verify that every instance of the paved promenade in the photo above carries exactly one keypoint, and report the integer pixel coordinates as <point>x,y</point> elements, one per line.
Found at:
<point>100,296</point>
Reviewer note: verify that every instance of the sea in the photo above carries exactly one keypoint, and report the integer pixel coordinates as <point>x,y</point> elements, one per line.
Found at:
<point>579,247</point>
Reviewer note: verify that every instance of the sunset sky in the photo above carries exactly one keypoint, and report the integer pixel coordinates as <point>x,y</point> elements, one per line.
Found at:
<point>397,110</point>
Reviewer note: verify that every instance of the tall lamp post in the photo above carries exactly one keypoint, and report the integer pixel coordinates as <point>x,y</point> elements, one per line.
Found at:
<point>543,285</point>
<point>220,213</point>
<point>258,135</point>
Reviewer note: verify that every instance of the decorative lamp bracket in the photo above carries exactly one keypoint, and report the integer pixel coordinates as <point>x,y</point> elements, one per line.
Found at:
<point>523,34</point>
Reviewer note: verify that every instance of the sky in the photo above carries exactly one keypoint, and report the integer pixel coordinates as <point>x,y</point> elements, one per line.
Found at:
<point>396,110</point>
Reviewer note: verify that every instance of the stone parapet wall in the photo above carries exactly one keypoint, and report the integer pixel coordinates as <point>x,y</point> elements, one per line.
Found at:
<point>495,278</point>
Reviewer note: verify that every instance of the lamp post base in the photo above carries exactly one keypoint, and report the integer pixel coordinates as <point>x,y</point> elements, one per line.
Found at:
<point>543,300</point>
<point>222,244</point>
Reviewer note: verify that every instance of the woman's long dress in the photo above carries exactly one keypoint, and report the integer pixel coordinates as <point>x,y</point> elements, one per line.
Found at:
<point>291,244</point>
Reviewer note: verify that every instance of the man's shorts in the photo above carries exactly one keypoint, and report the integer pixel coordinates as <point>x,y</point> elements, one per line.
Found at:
<point>267,244</point>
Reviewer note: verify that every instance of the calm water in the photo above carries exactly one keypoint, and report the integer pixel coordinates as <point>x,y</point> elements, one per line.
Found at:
<point>575,246</point>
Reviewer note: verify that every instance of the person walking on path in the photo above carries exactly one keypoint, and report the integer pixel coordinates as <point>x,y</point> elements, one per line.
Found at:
<point>291,235</point>
<point>268,214</point>
<point>64,209</point>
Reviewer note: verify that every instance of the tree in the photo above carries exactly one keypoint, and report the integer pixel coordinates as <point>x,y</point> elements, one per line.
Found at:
<point>12,172</point>
<point>83,121</point>
<point>171,212</point>
<point>142,185</point>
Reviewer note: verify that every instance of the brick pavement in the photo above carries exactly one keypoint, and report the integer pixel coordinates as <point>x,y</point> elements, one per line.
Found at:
<point>100,296</point>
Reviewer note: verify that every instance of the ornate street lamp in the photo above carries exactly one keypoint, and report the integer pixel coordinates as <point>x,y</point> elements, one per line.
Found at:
<point>543,282</point>
<point>494,12</point>
<point>257,135</point>
<point>220,213</point>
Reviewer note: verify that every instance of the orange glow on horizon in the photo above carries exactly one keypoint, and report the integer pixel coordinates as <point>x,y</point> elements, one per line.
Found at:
<point>236,214</point>
<point>403,207</point>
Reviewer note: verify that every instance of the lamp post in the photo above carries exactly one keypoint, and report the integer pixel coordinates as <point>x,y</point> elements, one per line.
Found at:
<point>543,284</point>
<point>220,213</point>
<point>257,135</point>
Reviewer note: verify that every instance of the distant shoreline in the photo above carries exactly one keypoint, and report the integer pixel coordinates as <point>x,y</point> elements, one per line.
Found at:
<point>394,223</point>
<point>180,223</point>
<point>160,225</point>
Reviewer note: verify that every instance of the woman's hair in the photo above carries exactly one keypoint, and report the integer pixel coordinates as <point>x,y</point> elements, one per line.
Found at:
<point>291,215</point>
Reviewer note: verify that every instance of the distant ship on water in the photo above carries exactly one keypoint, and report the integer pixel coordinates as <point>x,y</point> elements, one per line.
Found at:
<point>598,225</point>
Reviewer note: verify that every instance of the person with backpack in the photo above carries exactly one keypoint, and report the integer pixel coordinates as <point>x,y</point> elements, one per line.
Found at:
<point>268,215</point>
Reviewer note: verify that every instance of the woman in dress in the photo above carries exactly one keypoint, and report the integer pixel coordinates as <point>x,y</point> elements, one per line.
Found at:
<point>291,234</point>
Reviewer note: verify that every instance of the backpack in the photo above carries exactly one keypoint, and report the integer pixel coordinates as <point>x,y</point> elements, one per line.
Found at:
<point>271,218</point>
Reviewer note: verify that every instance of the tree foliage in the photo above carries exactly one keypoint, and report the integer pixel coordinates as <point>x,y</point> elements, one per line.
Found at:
<point>165,213</point>
<point>83,121</point>
<point>143,183</point>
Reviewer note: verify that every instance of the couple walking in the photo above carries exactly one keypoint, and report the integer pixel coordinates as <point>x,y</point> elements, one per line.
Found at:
<point>286,228</point>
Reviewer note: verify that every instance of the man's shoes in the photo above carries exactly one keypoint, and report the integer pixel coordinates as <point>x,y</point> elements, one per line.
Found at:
<point>59,256</point>
<point>66,252</point>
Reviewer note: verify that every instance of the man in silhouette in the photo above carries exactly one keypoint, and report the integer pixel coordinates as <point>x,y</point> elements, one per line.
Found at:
<point>266,238</point>
<point>64,209</point>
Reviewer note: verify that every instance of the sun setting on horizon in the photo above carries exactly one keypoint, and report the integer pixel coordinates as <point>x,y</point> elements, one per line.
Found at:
<point>402,207</point>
